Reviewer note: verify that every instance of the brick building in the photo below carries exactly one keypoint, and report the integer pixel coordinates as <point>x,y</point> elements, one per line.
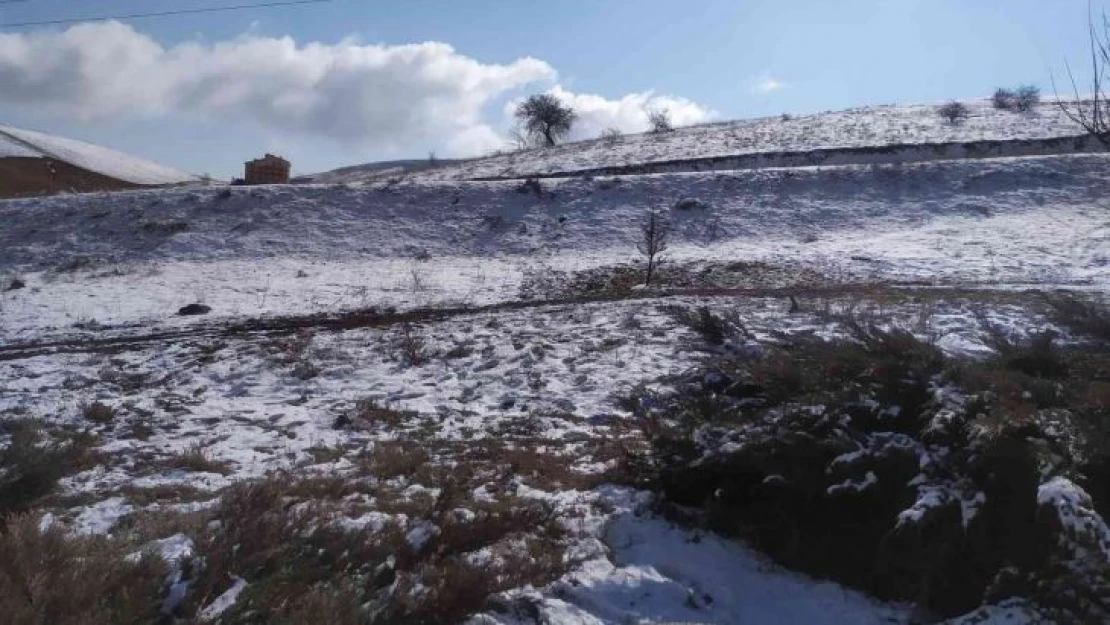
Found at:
<point>269,169</point>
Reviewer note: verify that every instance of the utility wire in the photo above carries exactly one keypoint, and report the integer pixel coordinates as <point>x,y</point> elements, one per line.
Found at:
<point>100,18</point>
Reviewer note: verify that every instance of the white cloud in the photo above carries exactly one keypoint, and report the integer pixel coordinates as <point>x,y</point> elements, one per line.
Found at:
<point>628,113</point>
<point>767,84</point>
<point>386,96</point>
<point>401,97</point>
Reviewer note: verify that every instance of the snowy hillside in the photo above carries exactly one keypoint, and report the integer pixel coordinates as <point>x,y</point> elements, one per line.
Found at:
<point>94,158</point>
<point>438,399</point>
<point>376,170</point>
<point>963,222</point>
<point>870,126</point>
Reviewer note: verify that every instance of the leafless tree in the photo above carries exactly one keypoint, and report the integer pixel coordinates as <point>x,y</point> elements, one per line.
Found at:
<point>611,135</point>
<point>1091,114</point>
<point>655,232</point>
<point>543,116</point>
<point>954,112</point>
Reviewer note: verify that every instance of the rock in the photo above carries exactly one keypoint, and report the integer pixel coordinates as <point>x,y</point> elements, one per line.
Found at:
<point>15,284</point>
<point>689,204</point>
<point>194,309</point>
<point>385,574</point>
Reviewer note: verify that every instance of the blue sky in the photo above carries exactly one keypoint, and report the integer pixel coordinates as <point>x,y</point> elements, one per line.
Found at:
<point>199,104</point>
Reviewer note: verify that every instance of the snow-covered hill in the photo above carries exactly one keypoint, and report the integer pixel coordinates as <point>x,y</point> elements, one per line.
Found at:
<point>17,142</point>
<point>864,127</point>
<point>376,170</point>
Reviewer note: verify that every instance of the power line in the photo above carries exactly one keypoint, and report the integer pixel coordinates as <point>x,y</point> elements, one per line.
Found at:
<point>100,18</point>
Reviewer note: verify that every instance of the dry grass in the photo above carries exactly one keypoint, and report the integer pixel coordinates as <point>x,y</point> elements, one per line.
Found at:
<point>278,536</point>
<point>195,459</point>
<point>49,578</point>
<point>409,345</point>
<point>391,459</point>
<point>163,493</point>
<point>370,415</point>
<point>291,350</point>
<point>35,458</point>
<point>322,454</point>
<point>98,412</point>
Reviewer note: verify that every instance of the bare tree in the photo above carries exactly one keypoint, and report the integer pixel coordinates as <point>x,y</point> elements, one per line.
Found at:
<point>611,135</point>
<point>954,112</point>
<point>1092,115</point>
<point>660,121</point>
<point>655,233</point>
<point>1027,98</point>
<point>543,116</point>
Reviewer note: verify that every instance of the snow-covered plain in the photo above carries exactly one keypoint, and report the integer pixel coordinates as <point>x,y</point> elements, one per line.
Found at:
<point>95,158</point>
<point>927,246</point>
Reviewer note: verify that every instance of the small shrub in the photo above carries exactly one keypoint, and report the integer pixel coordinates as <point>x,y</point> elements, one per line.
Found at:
<point>1027,98</point>
<point>1037,357</point>
<point>305,370</point>
<point>655,233</point>
<point>15,283</point>
<point>1087,317</point>
<point>659,121</point>
<point>954,112</point>
<point>410,345</point>
<point>33,460</point>
<point>1003,99</point>
<point>530,185</point>
<point>611,135</point>
<point>713,329</point>
<point>690,204</point>
<point>98,412</point>
<point>368,414</point>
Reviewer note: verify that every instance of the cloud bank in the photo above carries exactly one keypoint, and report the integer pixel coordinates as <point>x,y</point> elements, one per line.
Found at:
<point>629,113</point>
<point>392,97</point>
